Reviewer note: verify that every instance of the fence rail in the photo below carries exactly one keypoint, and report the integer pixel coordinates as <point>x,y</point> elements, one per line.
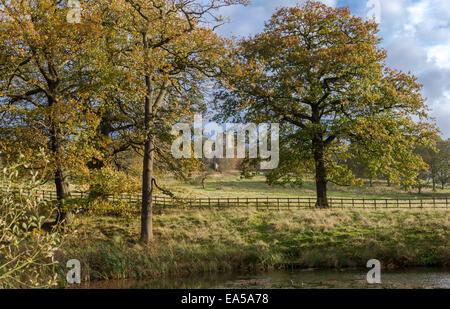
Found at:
<point>265,203</point>
<point>293,203</point>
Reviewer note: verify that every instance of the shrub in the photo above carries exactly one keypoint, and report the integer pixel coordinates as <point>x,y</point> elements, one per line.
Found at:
<point>108,181</point>
<point>102,207</point>
<point>26,250</point>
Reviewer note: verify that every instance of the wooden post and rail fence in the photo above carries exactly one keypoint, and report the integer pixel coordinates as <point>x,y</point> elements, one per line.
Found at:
<point>270,203</point>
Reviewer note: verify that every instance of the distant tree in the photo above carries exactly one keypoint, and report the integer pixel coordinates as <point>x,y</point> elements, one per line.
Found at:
<point>229,164</point>
<point>205,171</point>
<point>437,160</point>
<point>430,157</point>
<point>422,180</point>
<point>320,73</point>
<point>443,163</point>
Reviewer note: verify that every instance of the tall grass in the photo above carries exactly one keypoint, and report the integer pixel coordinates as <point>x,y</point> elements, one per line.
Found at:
<point>225,240</point>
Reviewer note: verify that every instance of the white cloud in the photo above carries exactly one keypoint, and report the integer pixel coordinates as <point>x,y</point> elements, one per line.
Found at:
<point>416,36</point>
<point>441,112</point>
<point>439,54</point>
<point>417,39</point>
<point>331,3</point>
<point>251,19</point>
<point>417,13</point>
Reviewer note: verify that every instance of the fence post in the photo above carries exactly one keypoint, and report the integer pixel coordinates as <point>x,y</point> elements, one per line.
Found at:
<point>274,203</point>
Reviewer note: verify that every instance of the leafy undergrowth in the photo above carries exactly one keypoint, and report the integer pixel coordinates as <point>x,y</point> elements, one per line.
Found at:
<point>225,240</point>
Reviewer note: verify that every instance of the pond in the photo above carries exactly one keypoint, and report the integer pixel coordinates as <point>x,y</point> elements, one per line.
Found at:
<point>354,278</point>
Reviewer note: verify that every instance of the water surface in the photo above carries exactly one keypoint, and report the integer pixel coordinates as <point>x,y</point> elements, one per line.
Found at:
<point>355,278</point>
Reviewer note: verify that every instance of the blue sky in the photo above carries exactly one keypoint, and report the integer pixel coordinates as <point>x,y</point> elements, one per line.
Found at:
<point>416,36</point>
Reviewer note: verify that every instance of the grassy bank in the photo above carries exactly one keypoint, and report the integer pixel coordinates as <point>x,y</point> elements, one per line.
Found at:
<point>224,240</point>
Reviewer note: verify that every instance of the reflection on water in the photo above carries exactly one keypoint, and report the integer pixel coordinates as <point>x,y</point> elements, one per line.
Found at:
<point>409,278</point>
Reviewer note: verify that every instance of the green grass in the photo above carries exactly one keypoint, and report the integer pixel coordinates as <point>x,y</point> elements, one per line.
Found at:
<point>200,241</point>
<point>231,185</point>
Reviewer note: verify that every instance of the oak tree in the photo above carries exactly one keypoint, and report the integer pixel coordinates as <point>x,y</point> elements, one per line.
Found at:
<point>321,74</point>
<point>45,81</point>
<point>171,50</point>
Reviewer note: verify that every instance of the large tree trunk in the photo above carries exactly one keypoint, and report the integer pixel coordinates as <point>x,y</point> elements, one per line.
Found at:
<point>147,194</point>
<point>60,183</point>
<point>104,130</point>
<point>61,194</point>
<point>434,184</point>
<point>147,173</point>
<point>56,147</point>
<point>321,174</point>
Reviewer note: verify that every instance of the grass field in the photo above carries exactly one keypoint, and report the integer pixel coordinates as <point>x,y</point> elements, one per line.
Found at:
<point>231,185</point>
<point>200,241</point>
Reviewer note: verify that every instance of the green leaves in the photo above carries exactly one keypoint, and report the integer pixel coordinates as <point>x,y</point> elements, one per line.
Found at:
<point>320,72</point>
<point>46,83</point>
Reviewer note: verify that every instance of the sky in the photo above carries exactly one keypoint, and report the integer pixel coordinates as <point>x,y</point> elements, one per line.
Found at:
<point>416,35</point>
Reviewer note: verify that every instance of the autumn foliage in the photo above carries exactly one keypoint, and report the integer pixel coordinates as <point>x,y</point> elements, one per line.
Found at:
<point>321,74</point>
<point>75,95</point>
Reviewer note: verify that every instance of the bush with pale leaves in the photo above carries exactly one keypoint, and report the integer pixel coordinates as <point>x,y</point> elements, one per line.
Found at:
<point>27,252</point>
